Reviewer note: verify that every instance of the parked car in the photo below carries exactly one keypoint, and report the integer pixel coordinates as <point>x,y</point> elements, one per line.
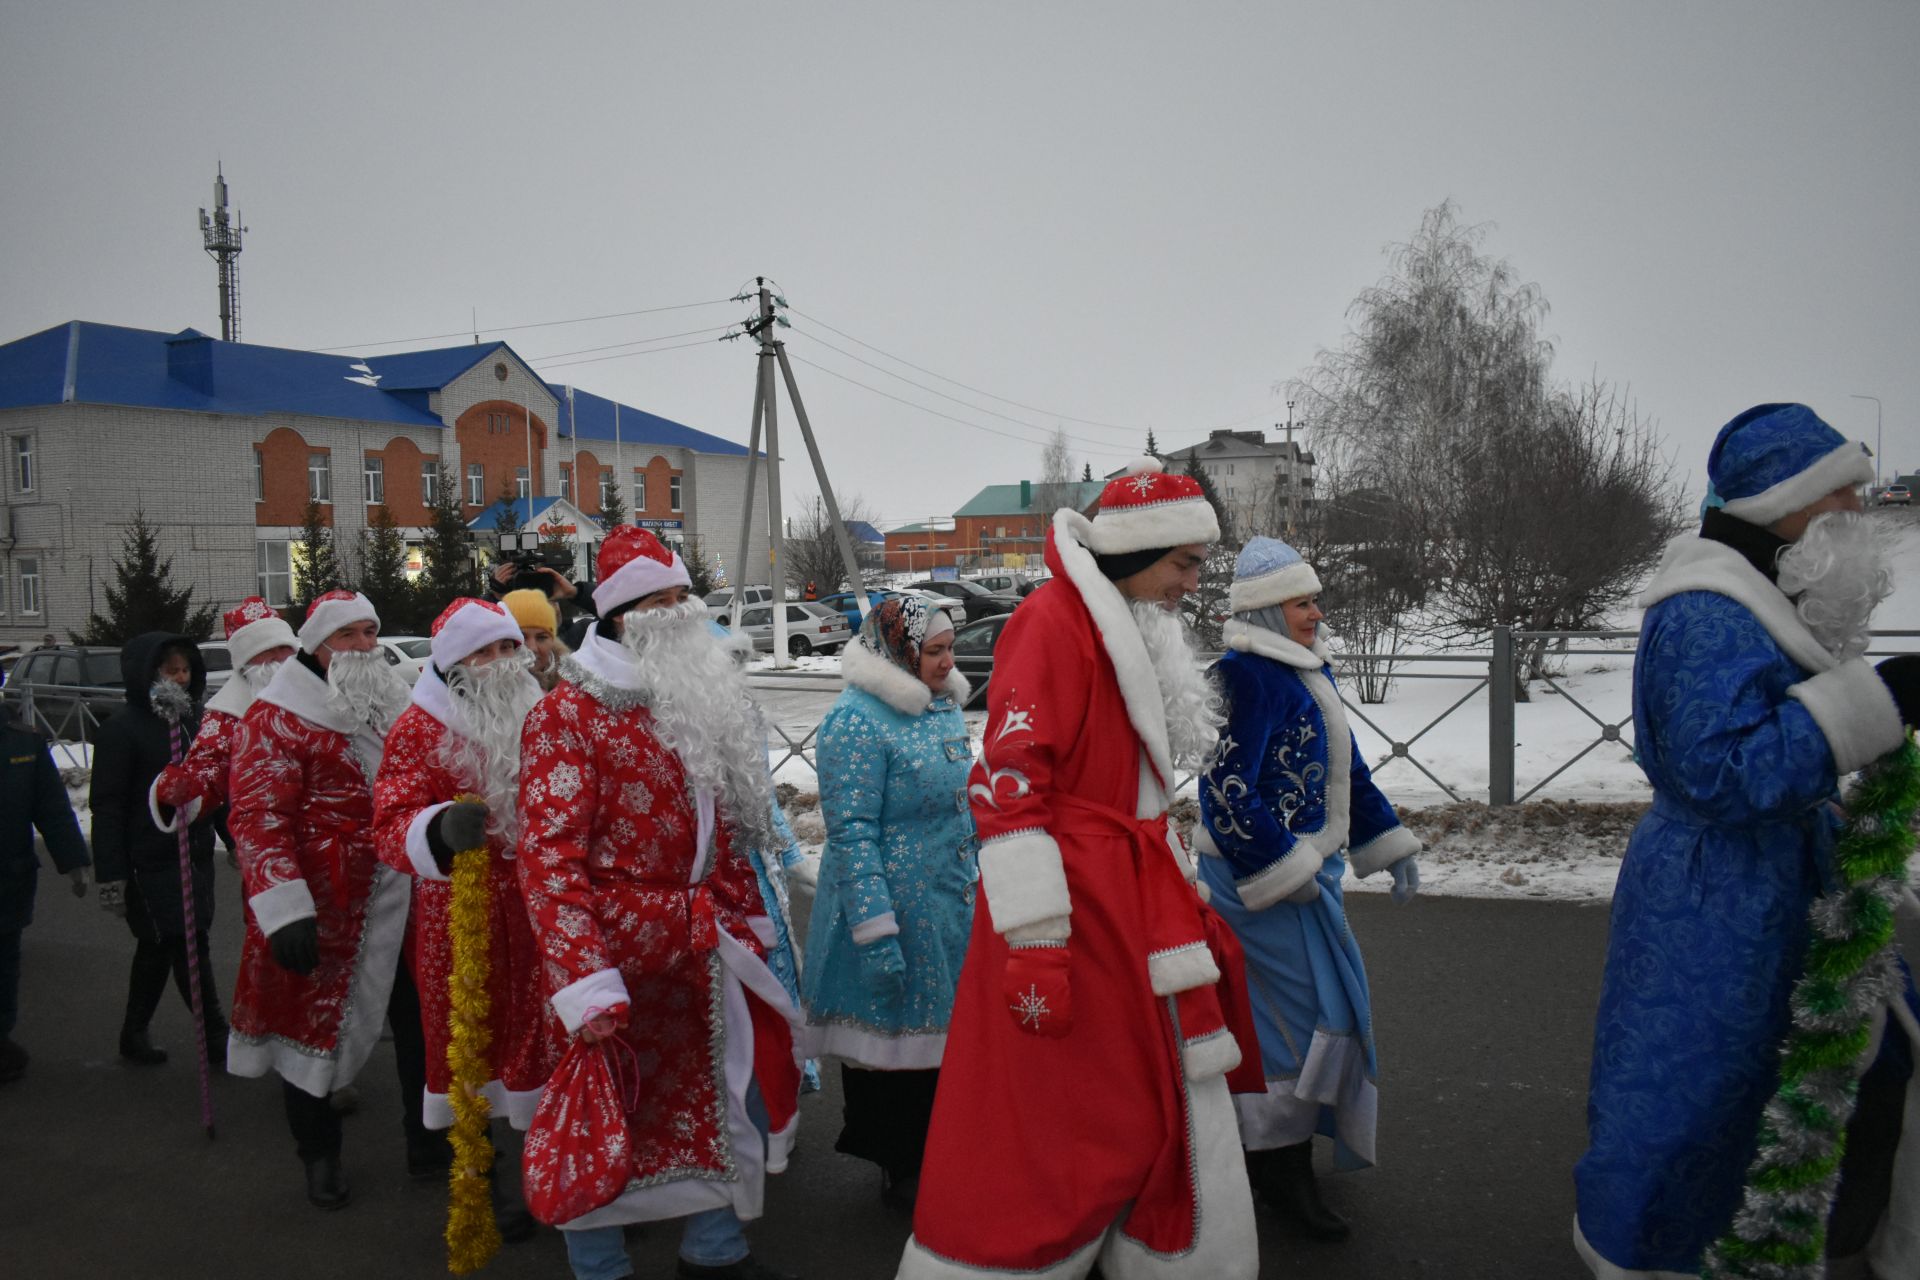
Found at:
<point>410,653</point>
<point>947,604</point>
<point>1896,495</point>
<point>219,661</point>
<point>73,689</point>
<point>1008,584</point>
<point>979,601</point>
<point>973,647</point>
<point>812,627</point>
<point>723,598</point>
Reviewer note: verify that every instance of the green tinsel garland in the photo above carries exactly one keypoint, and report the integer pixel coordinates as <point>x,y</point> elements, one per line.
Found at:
<point>1780,1229</point>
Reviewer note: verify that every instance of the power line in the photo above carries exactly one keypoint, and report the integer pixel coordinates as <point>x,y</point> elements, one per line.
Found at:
<point>651,351</point>
<point>515,328</point>
<point>635,342</point>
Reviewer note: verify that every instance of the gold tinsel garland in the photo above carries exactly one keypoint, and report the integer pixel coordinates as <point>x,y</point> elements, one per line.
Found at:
<point>473,1237</point>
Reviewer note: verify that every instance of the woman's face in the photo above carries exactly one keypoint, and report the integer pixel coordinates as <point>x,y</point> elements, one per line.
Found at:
<point>175,667</point>
<point>1303,619</point>
<point>540,641</point>
<point>936,661</point>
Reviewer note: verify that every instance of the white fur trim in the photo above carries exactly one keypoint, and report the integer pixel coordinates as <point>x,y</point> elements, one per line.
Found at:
<point>473,627</point>
<point>185,815</point>
<point>1693,563</point>
<point>1173,523</point>
<point>1276,586</point>
<point>1024,878</point>
<point>921,1263</point>
<point>872,1049</point>
<point>608,660</point>
<point>1855,710</point>
<point>1240,635</point>
<point>431,695</point>
<point>254,639</point>
<point>517,1105</point>
<point>1293,874</point>
<point>1383,851</point>
<point>294,688</point>
<point>328,616</point>
<point>234,697</point>
<point>1182,969</point>
<point>884,925</point>
<point>274,909</point>
<point>1847,464</point>
<point>1333,1076</point>
<point>637,579</point>
<point>600,990</point>
<point>419,852</point>
<point>866,670</point>
<point>763,931</point>
<point>1120,636</point>
<point>1604,1270</point>
<point>1211,1055</point>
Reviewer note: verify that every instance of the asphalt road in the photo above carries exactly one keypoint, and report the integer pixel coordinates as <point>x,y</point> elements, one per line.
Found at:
<point>1483,1011</point>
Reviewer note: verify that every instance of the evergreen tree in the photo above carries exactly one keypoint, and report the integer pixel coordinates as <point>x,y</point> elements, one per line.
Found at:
<point>507,518</point>
<point>1153,446</point>
<point>383,573</point>
<point>613,506</point>
<point>448,552</point>
<point>1086,472</point>
<point>1206,610</point>
<point>699,568</point>
<point>318,571</point>
<point>142,596</point>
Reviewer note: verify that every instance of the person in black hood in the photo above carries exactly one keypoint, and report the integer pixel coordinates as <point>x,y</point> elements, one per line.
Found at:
<point>138,865</point>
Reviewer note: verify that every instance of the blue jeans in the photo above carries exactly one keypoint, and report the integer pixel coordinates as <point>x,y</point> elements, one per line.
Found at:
<point>713,1238</point>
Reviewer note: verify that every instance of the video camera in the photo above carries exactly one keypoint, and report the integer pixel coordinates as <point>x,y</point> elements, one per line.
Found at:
<point>528,564</point>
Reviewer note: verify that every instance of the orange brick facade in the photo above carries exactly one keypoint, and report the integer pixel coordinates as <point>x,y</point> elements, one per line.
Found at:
<point>922,549</point>
<point>659,475</point>
<point>988,536</point>
<point>281,496</point>
<point>493,433</point>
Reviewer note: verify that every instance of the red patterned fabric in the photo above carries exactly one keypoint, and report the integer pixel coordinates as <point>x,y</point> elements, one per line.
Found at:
<point>578,1156</point>
<point>302,812</point>
<point>527,1040</point>
<point>252,609</point>
<point>203,773</point>
<point>608,869</point>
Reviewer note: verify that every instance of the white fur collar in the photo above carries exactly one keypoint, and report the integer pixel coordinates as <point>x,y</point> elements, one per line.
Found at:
<point>609,660</point>
<point>431,696</point>
<point>1244,636</point>
<point>1693,563</point>
<point>862,668</point>
<point>232,698</point>
<point>300,691</point>
<point>1120,635</point>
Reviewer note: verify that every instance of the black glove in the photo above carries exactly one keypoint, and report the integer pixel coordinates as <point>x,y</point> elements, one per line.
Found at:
<point>296,946</point>
<point>460,826</point>
<point>1902,677</point>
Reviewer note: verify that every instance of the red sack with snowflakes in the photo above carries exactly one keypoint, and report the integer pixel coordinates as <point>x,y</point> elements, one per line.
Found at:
<point>579,1154</point>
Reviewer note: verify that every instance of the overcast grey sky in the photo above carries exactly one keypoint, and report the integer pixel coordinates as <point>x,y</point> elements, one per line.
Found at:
<point>1136,215</point>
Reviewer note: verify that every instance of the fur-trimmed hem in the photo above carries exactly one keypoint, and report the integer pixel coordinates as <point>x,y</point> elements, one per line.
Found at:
<point>276,908</point>
<point>1211,1055</point>
<point>1383,851</point>
<point>1855,710</point>
<point>884,925</point>
<point>1241,635</point>
<point>1281,880</point>
<point>1182,969</point>
<point>1604,1270</point>
<point>866,670</point>
<point>873,1049</point>
<point>1024,878</point>
<point>1332,1081</point>
<point>515,1105</point>
<point>1844,465</point>
<point>582,998</point>
<point>921,1263</point>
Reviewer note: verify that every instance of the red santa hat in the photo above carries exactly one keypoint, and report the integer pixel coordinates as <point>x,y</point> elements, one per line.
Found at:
<point>331,612</point>
<point>634,564</point>
<point>253,627</point>
<point>1144,508</point>
<point>468,625</point>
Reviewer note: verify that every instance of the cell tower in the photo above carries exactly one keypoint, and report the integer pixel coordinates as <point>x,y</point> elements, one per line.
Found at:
<point>222,237</point>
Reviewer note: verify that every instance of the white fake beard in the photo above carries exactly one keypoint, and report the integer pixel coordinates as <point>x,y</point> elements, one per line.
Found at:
<point>170,701</point>
<point>489,704</point>
<point>367,688</point>
<point>259,675</point>
<point>1194,707</point>
<point>1836,575</point>
<point>701,711</point>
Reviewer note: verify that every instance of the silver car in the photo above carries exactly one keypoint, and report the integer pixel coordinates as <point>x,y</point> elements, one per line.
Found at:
<point>811,628</point>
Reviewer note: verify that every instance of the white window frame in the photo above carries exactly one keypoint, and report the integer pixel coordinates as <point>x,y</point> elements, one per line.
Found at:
<point>522,483</point>
<point>639,503</point>
<point>259,475</point>
<point>673,493</point>
<point>31,603</point>
<point>566,483</point>
<point>607,484</point>
<point>267,576</point>
<point>20,463</point>
<point>320,477</point>
<point>374,471</point>
<point>476,484</point>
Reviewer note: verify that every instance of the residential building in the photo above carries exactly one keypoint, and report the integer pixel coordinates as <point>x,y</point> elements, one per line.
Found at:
<point>916,548</point>
<point>1255,478</point>
<point>1005,525</point>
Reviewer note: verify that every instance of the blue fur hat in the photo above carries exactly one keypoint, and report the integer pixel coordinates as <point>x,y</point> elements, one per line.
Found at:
<point>1775,459</point>
<point>1267,573</point>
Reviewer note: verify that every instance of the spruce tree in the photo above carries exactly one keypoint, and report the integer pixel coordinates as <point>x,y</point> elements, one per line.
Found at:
<point>1206,609</point>
<point>383,573</point>
<point>318,571</point>
<point>507,518</point>
<point>448,552</point>
<point>1153,446</point>
<point>142,596</point>
<point>1086,472</point>
<point>699,568</point>
<point>613,506</point>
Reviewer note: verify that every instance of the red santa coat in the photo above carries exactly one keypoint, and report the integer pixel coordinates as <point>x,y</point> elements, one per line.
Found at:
<point>1116,1144</point>
<point>639,896</point>
<point>302,816</point>
<point>526,1040</point>
<point>210,754</point>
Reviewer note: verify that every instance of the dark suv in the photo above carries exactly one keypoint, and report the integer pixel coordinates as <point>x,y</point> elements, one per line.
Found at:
<point>979,602</point>
<point>58,677</point>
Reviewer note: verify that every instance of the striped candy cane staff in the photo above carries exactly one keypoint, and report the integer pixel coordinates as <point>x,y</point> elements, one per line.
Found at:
<point>180,824</point>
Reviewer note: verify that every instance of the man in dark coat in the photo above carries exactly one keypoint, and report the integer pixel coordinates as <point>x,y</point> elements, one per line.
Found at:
<point>137,863</point>
<point>32,796</point>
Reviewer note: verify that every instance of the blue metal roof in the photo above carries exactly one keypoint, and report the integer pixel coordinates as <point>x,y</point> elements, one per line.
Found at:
<point>864,532</point>
<point>596,422</point>
<point>529,509</point>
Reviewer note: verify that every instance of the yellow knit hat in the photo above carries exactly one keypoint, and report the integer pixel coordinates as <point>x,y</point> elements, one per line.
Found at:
<point>531,609</point>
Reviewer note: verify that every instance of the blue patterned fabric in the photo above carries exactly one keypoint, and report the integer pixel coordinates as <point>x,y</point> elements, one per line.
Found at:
<point>900,839</point>
<point>1765,445</point>
<point>1709,932</point>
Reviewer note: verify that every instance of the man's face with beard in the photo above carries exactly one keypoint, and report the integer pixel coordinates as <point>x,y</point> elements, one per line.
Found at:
<point>491,691</point>
<point>259,672</point>
<point>360,679</point>
<point>1836,573</point>
<point>1793,527</point>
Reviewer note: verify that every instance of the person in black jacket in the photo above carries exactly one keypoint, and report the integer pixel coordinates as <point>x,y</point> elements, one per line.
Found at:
<point>32,796</point>
<point>137,864</point>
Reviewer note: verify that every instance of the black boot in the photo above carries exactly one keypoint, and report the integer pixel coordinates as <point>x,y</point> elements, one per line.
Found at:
<point>326,1184</point>
<point>899,1191</point>
<point>429,1155</point>
<point>137,1049</point>
<point>1283,1177</point>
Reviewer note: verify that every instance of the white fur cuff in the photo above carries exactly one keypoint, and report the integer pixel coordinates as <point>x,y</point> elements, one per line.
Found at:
<point>1282,879</point>
<point>1383,851</point>
<point>1024,879</point>
<point>1210,1055</point>
<point>419,853</point>
<point>884,925</point>
<point>275,908</point>
<point>593,994</point>
<point>1855,711</point>
<point>1182,969</point>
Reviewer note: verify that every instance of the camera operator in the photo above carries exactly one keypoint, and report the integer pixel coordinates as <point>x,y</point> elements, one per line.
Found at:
<point>529,571</point>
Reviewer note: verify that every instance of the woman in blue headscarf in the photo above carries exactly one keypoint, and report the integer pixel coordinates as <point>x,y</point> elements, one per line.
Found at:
<point>1285,807</point>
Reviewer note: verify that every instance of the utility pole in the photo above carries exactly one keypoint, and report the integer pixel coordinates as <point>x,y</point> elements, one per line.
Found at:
<point>1293,478</point>
<point>1876,436</point>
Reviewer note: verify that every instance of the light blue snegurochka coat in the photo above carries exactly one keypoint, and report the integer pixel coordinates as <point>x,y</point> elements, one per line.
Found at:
<point>1287,805</point>
<point>901,861</point>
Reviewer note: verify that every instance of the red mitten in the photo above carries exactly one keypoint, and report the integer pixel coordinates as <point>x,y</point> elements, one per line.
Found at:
<point>1039,996</point>
<point>176,786</point>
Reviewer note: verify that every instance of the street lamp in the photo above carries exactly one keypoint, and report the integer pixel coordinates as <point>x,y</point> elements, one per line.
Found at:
<point>1854,395</point>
